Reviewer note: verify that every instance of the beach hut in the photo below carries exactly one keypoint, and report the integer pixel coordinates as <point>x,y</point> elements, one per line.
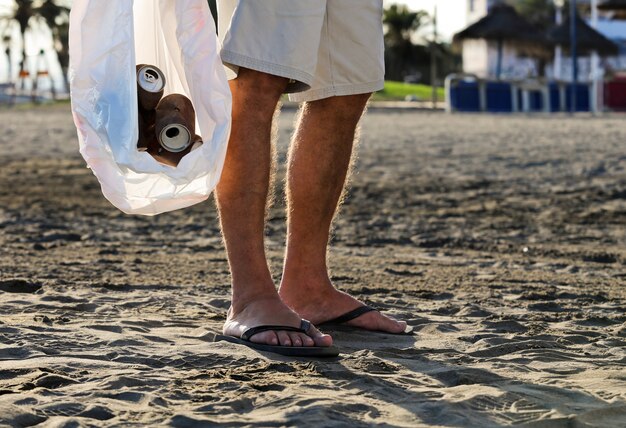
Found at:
<point>502,24</point>
<point>588,42</point>
<point>587,39</point>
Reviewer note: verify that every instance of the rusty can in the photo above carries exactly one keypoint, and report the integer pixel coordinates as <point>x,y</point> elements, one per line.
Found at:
<point>150,86</point>
<point>175,124</point>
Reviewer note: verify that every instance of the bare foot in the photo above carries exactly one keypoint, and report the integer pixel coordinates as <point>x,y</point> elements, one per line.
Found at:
<point>272,311</point>
<point>321,304</point>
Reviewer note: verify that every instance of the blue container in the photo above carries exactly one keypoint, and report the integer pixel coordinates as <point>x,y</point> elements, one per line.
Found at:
<point>583,103</point>
<point>499,97</point>
<point>465,96</point>
<point>535,101</point>
<point>555,96</point>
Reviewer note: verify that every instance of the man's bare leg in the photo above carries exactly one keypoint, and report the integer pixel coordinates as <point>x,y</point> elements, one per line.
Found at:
<point>319,160</point>
<point>241,199</point>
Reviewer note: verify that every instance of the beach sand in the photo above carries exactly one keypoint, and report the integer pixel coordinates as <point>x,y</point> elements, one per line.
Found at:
<point>500,239</point>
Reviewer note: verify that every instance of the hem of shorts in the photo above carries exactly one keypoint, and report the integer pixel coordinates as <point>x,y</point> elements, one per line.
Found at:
<point>337,91</point>
<point>238,60</point>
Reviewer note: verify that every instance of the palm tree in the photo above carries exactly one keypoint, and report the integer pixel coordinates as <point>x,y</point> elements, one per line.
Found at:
<point>540,13</point>
<point>55,16</point>
<point>23,13</point>
<point>401,24</point>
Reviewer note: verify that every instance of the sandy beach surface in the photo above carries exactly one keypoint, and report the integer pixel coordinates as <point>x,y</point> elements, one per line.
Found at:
<point>501,240</point>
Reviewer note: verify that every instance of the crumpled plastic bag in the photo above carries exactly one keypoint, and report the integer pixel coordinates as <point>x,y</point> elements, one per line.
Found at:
<point>107,40</point>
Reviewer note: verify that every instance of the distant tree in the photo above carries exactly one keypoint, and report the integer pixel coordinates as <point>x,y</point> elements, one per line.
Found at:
<point>540,13</point>
<point>23,12</point>
<point>401,25</point>
<point>405,54</point>
<point>56,17</point>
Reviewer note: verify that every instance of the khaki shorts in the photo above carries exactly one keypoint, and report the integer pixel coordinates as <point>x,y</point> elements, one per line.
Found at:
<point>325,47</point>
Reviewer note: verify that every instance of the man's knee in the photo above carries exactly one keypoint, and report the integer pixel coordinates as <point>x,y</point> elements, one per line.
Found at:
<point>357,99</point>
<point>343,108</point>
<point>261,86</point>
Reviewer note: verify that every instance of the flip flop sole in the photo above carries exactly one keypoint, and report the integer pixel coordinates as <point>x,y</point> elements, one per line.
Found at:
<point>288,351</point>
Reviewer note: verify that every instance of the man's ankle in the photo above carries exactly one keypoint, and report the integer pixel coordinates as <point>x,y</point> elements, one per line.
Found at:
<point>304,269</point>
<point>305,289</point>
<point>242,300</point>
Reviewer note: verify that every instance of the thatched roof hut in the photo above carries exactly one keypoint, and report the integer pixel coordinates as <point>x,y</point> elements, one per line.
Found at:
<point>503,24</point>
<point>587,38</point>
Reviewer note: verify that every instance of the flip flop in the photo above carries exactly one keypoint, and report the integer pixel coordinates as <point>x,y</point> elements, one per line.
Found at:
<point>355,313</point>
<point>289,351</point>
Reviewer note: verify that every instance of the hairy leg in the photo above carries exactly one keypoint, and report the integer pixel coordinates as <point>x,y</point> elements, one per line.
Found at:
<point>241,198</point>
<point>319,161</point>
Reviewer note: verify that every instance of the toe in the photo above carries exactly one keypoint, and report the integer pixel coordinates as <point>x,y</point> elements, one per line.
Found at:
<point>398,326</point>
<point>376,321</point>
<point>266,337</point>
<point>391,325</point>
<point>296,339</point>
<point>307,340</point>
<point>283,338</point>
<point>319,338</point>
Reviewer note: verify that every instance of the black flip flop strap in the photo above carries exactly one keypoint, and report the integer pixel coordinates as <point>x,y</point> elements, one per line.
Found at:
<point>304,328</point>
<point>351,315</point>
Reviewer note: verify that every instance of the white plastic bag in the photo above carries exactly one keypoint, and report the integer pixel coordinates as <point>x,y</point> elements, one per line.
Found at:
<point>107,39</point>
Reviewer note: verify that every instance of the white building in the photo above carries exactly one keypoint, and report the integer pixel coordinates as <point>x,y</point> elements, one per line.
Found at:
<point>480,56</point>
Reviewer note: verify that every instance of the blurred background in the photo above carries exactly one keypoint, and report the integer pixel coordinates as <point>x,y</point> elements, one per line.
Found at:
<point>465,55</point>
